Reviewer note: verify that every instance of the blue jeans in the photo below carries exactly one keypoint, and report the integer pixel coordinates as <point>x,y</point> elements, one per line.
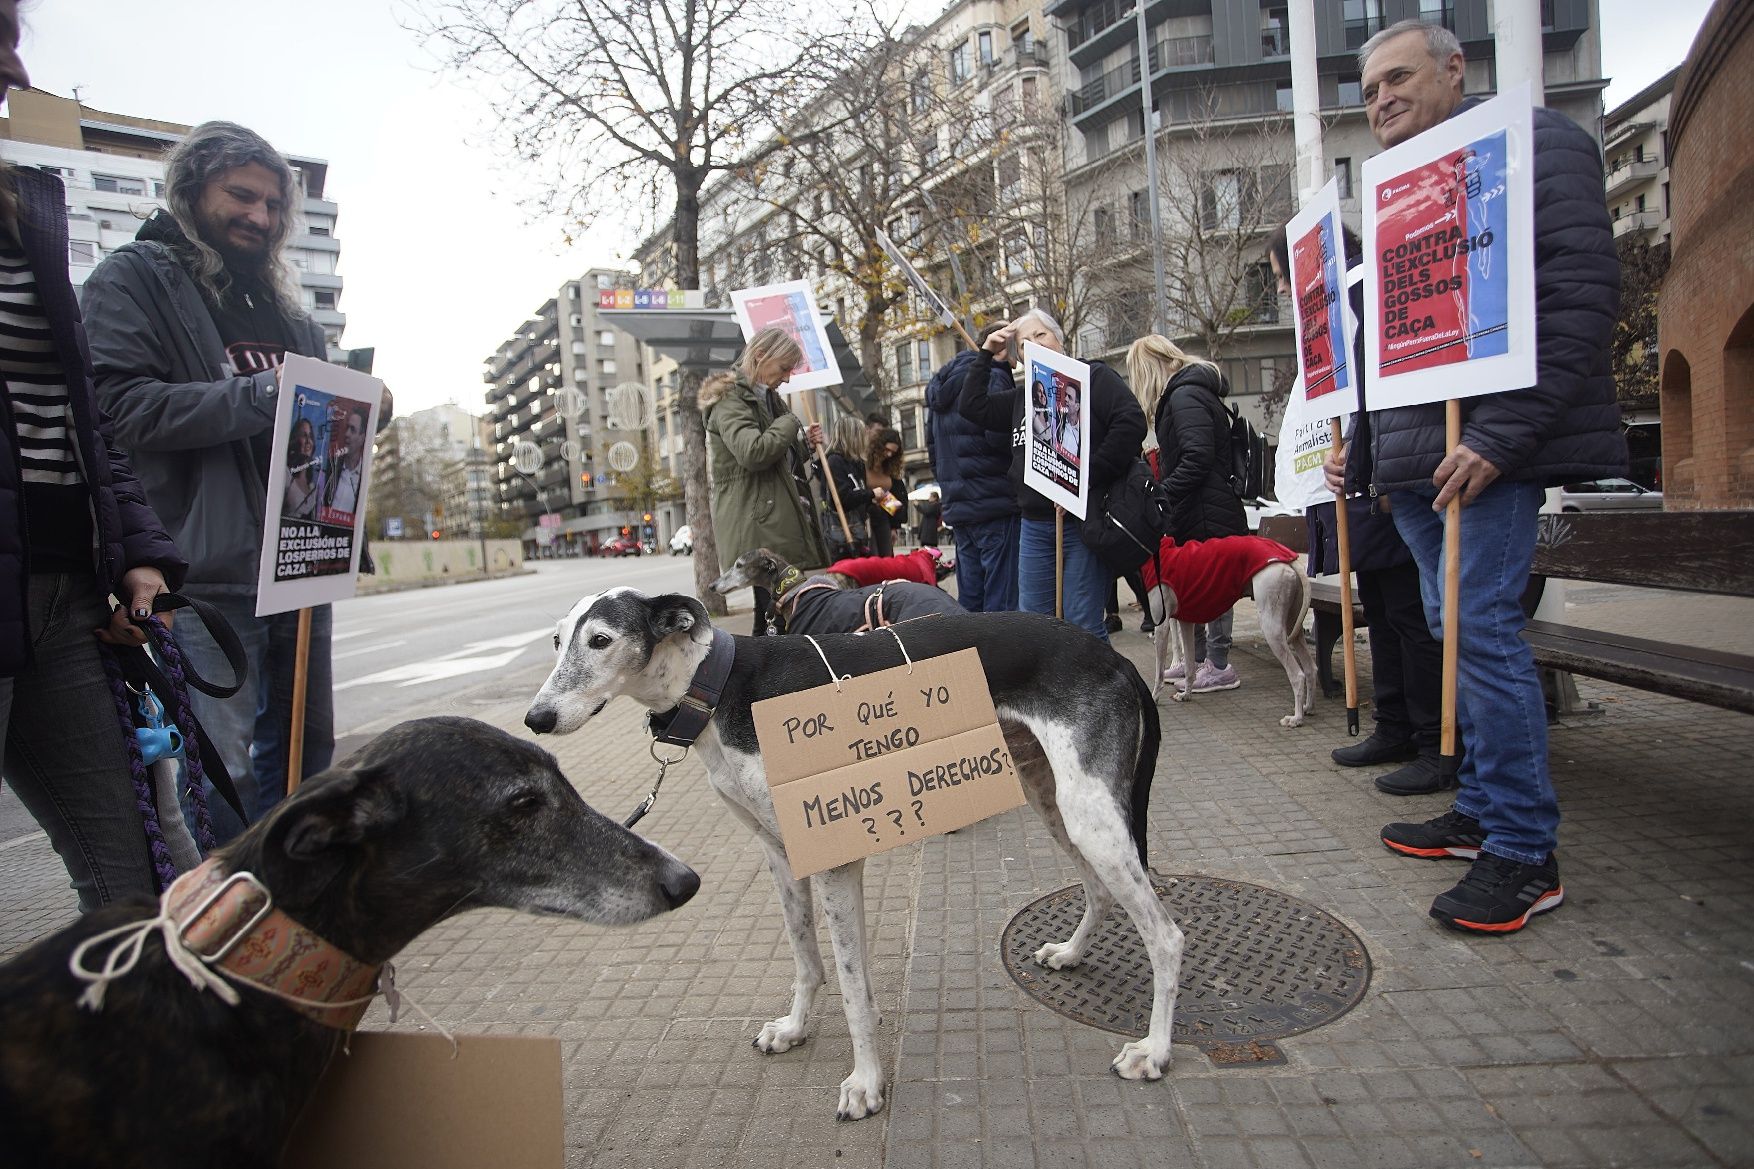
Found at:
<point>1086,580</point>
<point>250,730</point>
<point>1212,640</point>
<point>1500,712</point>
<point>986,565</point>
<point>65,755</point>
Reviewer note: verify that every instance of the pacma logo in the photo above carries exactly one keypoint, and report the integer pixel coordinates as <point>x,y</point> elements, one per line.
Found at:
<point>1390,192</point>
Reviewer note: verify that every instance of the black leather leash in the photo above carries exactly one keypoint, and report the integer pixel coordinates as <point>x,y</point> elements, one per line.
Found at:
<point>139,670</point>
<point>683,723</point>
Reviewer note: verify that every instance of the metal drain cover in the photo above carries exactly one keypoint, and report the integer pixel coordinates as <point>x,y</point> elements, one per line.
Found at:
<point>1258,966</point>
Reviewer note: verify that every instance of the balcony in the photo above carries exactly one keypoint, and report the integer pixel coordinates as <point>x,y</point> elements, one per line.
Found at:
<point>1166,53</point>
<point>1637,221</point>
<point>1629,173</point>
<point>1034,57</point>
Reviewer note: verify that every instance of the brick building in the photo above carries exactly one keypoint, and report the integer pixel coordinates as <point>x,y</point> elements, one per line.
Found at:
<point>1706,312</point>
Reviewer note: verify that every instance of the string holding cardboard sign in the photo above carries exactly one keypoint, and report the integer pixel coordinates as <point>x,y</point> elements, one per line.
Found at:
<point>837,679</point>
<point>890,629</point>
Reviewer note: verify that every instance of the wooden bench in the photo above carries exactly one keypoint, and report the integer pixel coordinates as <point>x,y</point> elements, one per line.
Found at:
<point>1709,553</point>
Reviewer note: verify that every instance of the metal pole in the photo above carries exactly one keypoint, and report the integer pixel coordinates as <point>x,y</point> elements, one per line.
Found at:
<point>1306,118</point>
<point>1160,315</point>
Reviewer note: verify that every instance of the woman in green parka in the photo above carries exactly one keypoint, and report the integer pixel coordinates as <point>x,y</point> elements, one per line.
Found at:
<point>761,498</point>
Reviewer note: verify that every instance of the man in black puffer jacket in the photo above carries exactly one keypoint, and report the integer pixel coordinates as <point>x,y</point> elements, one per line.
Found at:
<point>973,468</point>
<point>1514,444</point>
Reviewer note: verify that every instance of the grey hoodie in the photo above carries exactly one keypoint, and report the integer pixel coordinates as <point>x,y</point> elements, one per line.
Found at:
<point>160,375</point>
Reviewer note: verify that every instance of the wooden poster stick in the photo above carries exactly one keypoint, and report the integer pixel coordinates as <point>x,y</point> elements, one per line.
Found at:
<point>827,475</point>
<point>1059,560</point>
<point>301,667</point>
<point>1449,760</point>
<point>1343,531</point>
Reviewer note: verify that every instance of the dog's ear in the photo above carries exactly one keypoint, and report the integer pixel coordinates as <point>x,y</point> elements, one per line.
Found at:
<point>675,613</point>
<point>311,833</point>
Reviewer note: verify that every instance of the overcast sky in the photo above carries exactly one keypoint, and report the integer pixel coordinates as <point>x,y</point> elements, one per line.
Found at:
<point>441,263</point>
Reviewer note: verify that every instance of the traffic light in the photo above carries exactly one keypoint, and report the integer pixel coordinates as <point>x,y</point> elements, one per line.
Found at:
<point>648,517</point>
<point>435,533</point>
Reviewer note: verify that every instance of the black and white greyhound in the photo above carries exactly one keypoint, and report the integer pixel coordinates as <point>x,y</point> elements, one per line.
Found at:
<point>1078,719</point>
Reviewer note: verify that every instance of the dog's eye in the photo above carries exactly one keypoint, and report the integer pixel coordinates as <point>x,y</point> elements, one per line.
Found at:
<point>557,643</point>
<point>600,641</point>
<point>525,802</point>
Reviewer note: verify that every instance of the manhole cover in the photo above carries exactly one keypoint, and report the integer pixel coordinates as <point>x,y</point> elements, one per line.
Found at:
<point>1258,966</point>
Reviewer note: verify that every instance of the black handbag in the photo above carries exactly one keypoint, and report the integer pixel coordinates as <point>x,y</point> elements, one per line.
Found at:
<point>1125,524</point>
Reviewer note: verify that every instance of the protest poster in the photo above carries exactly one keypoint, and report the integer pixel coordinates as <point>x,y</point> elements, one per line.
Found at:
<point>1449,287</point>
<point>1303,447</point>
<point>867,764</point>
<point>1322,314</point>
<point>791,306</point>
<point>314,518</point>
<point>935,303</point>
<point>1056,435</point>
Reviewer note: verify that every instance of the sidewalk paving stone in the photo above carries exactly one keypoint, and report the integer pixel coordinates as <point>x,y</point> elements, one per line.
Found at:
<point>1616,1031</point>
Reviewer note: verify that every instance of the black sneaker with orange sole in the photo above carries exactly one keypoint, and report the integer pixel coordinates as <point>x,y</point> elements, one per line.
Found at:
<point>1450,835</point>
<point>1500,895</point>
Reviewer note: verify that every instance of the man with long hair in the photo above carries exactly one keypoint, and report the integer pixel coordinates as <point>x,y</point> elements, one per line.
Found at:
<point>188,325</point>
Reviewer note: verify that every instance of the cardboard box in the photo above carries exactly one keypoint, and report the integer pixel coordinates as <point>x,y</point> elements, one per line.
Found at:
<point>399,1101</point>
<point>884,760</point>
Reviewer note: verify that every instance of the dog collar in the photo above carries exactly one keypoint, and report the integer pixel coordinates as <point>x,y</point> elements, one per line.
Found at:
<point>682,724</point>
<point>788,580</point>
<point>229,921</point>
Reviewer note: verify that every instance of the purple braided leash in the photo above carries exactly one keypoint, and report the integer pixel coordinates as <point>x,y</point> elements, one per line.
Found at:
<point>172,657</point>
<point>144,802</point>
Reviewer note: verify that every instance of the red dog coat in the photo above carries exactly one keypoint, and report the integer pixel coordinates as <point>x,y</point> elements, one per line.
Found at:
<point>1209,576</point>
<point>920,565</point>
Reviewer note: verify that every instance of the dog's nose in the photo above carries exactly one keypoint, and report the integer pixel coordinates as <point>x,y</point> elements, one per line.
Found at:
<point>540,719</point>
<point>679,883</point>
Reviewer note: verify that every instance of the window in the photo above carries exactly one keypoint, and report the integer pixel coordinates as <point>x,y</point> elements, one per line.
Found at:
<point>1023,37</point>
<point>984,46</point>
<point>1343,176</point>
<point>606,367</point>
<point>606,337</point>
<point>1029,92</point>
<point>1261,294</point>
<point>1363,20</point>
<point>904,363</point>
<point>157,189</point>
<point>1282,98</point>
<point>1010,177</point>
<point>1103,219</point>
<point>325,298</point>
<point>961,67</point>
<point>1640,203</point>
<point>1138,215</point>
<point>1438,12</point>
<point>1351,92</point>
<point>315,229</point>
<point>923,360</point>
<point>920,92</point>
<point>117,185</point>
<point>81,251</point>
<point>1275,37</point>
<point>1016,261</point>
<point>1221,197</point>
<point>928,149</point>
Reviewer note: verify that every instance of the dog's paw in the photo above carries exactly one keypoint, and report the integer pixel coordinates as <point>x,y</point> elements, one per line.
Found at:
<point>1140,1060</point>
<point>1180,694</point>
<point>1291,720</point>
<point>860,1096</point>
<point>779,1035</point>
<point>1058,956</point>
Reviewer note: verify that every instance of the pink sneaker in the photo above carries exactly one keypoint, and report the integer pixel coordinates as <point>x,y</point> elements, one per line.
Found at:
<point>1179,671</point>
<point>1207,678</point>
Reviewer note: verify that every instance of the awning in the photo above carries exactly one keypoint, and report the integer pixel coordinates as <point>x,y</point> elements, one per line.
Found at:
<point>707,340</point>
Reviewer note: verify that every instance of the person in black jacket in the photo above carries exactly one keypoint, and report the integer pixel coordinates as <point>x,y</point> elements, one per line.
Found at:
<point>1117,427</point>
<point>1184,395</point>
<point>848,473</point>
<point>973,468</point>
<point>77,529</point>
<point>1514,444</point>
<point>1406,662</point>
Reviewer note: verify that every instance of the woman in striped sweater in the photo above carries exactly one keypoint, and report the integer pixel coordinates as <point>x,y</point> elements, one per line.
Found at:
<point>75,529</point>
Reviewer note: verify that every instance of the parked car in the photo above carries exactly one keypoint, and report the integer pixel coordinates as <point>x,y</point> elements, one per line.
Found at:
<point>1609,495</point>
<point>682,543</point>
<point>622,546</point>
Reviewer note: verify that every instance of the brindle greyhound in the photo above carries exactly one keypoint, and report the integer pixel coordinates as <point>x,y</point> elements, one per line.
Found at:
<point>197,1056</point>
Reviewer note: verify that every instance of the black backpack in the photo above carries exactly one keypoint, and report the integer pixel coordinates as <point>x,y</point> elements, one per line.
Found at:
<point>1125,524</point>
<point>1248,456</point>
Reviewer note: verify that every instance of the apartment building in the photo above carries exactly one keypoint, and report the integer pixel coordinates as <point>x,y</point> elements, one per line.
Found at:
<point>1219,73</point>
<point>414,460</point>
<point>1635,142</point>
<point>550,389</point>
<point>113,167</point>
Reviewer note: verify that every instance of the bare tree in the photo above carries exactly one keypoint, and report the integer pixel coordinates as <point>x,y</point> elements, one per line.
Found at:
<point>637,102</point>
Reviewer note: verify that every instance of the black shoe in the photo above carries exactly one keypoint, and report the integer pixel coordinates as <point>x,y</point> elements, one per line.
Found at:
<point>1418,778</point>
<point>1145,626</point>
<point>1499,895</point>
<point>1451,834</point>
<point>1379,748</point>
<point>1113,622</point>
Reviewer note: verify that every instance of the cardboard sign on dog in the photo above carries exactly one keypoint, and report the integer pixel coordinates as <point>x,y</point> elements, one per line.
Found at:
<point>884,760</point>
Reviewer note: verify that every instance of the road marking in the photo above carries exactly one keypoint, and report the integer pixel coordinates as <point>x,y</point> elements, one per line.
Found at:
<point>353,653</point>
<point>334,637</point>
<point>468,660</point>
